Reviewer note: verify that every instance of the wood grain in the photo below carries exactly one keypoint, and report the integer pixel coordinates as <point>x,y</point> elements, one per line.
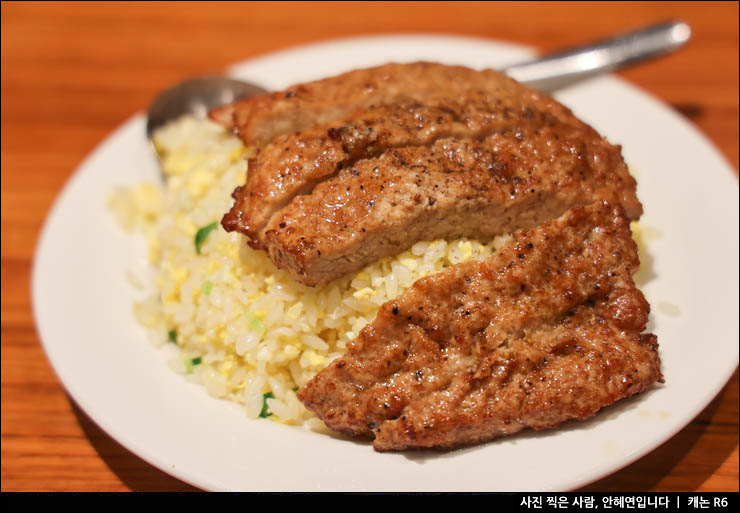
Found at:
<point>72,72</point>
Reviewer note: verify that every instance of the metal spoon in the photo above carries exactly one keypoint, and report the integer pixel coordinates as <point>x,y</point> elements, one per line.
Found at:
<point>199,95</point>
<point>567,66</point>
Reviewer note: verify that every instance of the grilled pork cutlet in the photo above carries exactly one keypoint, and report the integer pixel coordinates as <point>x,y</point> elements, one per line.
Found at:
<point>513,179</point>
<point>260,119</point>
<point>293,164</point>
<point>471,154</point>
<point>546,330</point>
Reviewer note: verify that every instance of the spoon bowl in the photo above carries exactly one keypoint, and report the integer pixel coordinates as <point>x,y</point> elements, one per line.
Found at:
<point>197,96</point>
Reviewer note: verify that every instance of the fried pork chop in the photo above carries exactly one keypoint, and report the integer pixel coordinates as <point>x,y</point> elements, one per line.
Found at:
<point>429,151</point>
<point>546,330</point>
<point>453,189</point>
<point>260,119</point>
<point>294,164</point>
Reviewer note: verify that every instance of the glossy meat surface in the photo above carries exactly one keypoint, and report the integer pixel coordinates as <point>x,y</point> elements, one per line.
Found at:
<point>456,153</point>
<point>260,119</point>
<point>454,188</point>
<point>294,164</point>
<point>547,330</point>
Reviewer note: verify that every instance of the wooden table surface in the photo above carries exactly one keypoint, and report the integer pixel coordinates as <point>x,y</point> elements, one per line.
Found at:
<point>73,72</point>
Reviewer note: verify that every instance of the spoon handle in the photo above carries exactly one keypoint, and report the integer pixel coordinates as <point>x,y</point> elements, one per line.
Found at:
<point>573,64</point>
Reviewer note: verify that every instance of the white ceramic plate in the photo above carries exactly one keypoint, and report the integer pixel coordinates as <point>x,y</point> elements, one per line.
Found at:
<point>83,306</point>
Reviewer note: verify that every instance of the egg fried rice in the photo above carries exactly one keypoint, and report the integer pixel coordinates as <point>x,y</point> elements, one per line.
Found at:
<point>245,330</point>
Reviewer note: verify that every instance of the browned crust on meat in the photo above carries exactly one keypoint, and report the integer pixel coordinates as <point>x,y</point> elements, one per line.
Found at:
<point>425,151</point>
<point>547,330</point>
<point>224,115</point>
<point>293,164</point>
<point>259,119</point>
<point>513,179</point>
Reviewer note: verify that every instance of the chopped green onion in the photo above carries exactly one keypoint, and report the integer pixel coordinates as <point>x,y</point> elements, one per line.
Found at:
<point>255,323</point>
<point>200,235</point>
<point>172,335</point>
<point>264,413</point>
<point>206,287</point>
<point>191,362</point>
